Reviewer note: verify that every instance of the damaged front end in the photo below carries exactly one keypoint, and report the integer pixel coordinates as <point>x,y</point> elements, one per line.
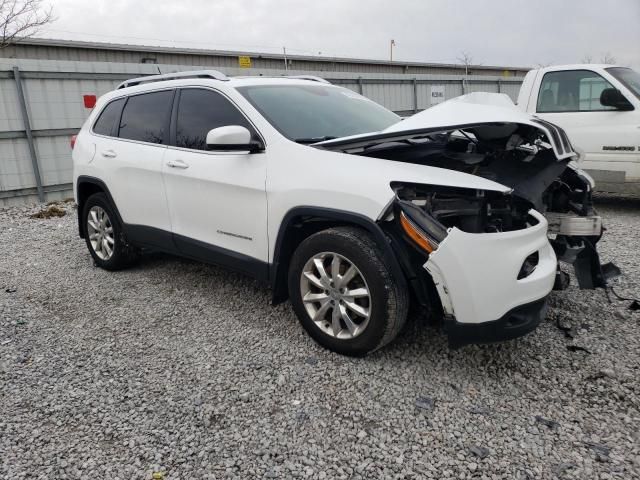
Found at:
<point>486,264</point>
<point>486,260</point>
<point>539,180</point>
<point>492,139</point>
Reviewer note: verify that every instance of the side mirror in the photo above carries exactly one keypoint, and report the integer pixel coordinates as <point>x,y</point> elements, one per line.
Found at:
<point>232,138</point>
<point>612,97</point>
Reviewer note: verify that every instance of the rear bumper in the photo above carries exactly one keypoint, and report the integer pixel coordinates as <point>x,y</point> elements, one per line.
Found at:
<point>515,323</point>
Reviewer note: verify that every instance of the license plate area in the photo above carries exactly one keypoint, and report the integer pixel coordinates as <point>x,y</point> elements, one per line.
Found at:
<point>573,225</point>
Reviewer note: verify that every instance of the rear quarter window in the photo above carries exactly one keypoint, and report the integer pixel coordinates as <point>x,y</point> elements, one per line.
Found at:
<point>105,125</point>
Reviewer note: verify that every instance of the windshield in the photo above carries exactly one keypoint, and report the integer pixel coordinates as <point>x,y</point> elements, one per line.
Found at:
<point>312,113</point>
<point>629,78</point>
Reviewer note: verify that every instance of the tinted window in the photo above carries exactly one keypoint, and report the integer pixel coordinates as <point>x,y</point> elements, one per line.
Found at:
<point>202,110</point>
<point>146,117</point>
<point>314,112</point>
<point>572,91</point>
<point>108,118</point>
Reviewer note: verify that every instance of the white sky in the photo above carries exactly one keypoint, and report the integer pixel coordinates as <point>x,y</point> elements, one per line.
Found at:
<point>507,32</point>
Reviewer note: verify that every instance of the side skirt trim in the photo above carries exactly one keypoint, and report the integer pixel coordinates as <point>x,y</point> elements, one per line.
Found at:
<point>167,242</point>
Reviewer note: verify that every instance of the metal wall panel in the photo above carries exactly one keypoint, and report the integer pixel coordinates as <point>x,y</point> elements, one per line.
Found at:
<point>511,88</point>
<point>398,97</point>
<point>9,108</point>
<point>481,87</point>
<point>15,165</point>
<point>54,155</point>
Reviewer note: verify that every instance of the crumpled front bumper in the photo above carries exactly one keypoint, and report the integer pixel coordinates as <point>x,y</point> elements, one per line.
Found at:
<point>476,276</point>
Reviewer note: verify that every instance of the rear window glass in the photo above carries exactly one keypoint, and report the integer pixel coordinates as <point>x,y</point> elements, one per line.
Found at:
<point>108,118</point>
<point>146,117</point>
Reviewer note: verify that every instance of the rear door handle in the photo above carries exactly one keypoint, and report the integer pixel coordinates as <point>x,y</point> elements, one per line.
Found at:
<point>109,154</point>
<point>177,164</point>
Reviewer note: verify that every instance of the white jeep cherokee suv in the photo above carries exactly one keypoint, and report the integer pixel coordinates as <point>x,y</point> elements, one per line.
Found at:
<point>339,205</point>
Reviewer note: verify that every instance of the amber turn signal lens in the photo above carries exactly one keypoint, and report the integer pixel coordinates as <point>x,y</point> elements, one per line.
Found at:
<point>415,235</point>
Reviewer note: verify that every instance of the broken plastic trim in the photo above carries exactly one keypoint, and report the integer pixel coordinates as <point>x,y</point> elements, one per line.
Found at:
<point>425,231</point>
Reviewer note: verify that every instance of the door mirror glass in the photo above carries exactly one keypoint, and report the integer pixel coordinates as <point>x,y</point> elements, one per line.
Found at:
<point>232,137</point>
<point>612,97</point>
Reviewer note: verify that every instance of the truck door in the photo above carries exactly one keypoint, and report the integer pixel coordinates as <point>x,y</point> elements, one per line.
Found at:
<point>609,137</point>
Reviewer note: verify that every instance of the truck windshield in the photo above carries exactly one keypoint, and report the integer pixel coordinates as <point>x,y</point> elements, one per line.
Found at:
<point>313,113</point>
<point>629,78</point>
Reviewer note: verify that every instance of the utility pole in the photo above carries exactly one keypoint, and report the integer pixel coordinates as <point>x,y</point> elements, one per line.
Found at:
<point>286,66</point>
<point>393,44</point>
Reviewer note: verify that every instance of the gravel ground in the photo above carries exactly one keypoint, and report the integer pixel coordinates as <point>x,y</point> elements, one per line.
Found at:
<point>179,370</point>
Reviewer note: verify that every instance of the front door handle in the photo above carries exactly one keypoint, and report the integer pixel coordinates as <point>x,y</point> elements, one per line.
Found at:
<point>109,154</point>
<point>177,164</point>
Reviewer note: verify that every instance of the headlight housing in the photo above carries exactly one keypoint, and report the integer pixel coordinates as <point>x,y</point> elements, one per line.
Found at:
<point>423,230</point>
<point>426,213</point>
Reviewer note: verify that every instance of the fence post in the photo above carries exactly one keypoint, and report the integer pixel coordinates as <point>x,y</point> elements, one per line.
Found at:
<point>415,95</point>
<point>499,86</point>
<point>27,129</point>
<point>360,85</point>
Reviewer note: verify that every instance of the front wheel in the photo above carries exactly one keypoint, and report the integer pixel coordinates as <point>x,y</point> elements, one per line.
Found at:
<point>343,293</point>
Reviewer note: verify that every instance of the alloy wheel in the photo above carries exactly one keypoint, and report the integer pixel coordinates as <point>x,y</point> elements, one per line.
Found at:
<point>335,295</point>
<point>100,231</point>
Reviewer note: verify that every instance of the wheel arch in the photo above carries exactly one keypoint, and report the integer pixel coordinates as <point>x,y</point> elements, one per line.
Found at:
<point>301,222</point>
<point>85,187</point>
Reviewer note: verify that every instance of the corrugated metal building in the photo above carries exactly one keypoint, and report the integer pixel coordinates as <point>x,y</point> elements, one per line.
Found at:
<point>46,49</point>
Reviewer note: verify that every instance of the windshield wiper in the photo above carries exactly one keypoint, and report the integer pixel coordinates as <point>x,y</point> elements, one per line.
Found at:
<point>314,139</point>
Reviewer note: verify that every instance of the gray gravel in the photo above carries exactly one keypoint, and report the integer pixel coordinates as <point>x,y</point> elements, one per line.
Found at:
<point>179,370</point>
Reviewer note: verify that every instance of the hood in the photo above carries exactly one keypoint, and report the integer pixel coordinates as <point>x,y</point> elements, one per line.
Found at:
<point>487,116</point>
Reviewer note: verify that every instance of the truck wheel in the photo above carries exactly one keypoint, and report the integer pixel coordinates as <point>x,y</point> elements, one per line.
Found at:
<point>104,235</point>
<point>343,293</point>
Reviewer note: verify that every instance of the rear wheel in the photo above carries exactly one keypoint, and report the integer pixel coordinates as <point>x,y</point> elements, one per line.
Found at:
<point>344,294</point>
<point>104,235</point>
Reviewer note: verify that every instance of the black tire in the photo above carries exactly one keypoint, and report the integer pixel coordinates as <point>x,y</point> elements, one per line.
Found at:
<point>123,254</point>
<point>388,301</point>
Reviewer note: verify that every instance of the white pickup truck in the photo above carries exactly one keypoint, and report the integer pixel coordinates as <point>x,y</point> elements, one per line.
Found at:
<point>599,108</point>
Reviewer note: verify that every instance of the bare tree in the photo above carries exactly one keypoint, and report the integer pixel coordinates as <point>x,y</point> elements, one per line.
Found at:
<point>608,58</point>
<point>465,59</point>
<point>22,18</point>
<point>587,59</point>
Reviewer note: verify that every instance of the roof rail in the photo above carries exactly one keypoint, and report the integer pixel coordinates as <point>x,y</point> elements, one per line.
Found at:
<point>213,74</point>
<point>313,78</point>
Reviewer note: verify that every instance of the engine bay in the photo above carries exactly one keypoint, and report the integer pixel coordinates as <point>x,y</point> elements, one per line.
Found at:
<point>523,161</point>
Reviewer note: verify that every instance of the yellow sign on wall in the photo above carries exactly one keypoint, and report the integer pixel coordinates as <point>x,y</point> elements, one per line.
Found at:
<point>244,61</point>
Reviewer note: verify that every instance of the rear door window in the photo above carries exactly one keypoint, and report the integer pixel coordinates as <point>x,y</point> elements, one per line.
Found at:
<point>108,118</point>
<point>201,110</point>
<point>146,117</point>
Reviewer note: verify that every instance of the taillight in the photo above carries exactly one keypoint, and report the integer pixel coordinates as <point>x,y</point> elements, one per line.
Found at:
<point>73,141</point>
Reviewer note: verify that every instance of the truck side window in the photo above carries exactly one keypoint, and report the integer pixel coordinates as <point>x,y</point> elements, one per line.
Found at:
<point>571,91</point>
